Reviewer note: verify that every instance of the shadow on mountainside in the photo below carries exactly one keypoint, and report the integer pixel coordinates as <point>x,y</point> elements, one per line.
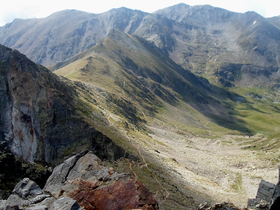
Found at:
<point>227,115</point>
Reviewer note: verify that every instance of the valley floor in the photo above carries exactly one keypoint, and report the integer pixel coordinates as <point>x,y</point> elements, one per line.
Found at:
<point>225,168</point>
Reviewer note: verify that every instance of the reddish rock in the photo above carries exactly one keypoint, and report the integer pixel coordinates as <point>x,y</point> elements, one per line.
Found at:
<point>125,193</point>
<point>95,187</point>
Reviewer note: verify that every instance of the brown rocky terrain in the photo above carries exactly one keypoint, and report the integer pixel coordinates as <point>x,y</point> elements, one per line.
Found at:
<point>91,185</point>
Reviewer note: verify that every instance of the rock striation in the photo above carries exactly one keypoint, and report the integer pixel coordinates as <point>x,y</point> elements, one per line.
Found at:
<point>268,196</point>
<point>82,182</point>
<point>265,190</point>
<point>276,196</point>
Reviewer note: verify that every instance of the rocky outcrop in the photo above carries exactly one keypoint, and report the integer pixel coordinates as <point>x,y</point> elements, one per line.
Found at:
<point>219,206</point>
<point>14,169</point>
<point>265,190</point>
<point>263,197</point>
<point>258,204</point>
<point>65,203</point>
<point>276,196</point>
<point>41,117</point>
<point>28,195</point>
<point>268,196</point>
<point>85,179</point>
<point>82,180</point>
<point>231,74</point>
<point>39,113</point>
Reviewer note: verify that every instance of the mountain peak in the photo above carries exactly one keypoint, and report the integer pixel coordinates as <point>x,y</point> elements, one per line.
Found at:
<point>116,34</point>
<point>179,6</point>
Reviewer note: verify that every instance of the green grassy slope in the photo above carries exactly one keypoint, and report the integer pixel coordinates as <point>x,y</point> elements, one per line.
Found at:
<point>140,79</point>
<point>143,96</point>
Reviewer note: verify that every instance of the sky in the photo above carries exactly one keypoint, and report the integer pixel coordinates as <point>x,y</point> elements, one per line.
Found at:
<point>24,9</point>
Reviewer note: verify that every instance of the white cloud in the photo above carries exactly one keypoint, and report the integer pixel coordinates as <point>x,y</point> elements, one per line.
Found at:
<point>12,9</point>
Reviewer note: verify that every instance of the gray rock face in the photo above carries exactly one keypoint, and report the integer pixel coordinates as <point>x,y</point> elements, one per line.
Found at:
<point>265,190</point>
<point>86,166</point>
<point>82,180</point>
<point>38,111</point>
<point>218,206</point>
<point>65,203</point>
<point>28,195</point>
<point>263,197</point>
<point>15,200</point>
<point>41,207</point>
<point>3,204</point>
<point>276,196</point>
<point>5,103</point>
<point>27,187</point>
<point>258,204</point>
<point>42,117</point>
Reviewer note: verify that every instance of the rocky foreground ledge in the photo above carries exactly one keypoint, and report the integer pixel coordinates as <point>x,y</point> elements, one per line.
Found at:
<point>81,182</point>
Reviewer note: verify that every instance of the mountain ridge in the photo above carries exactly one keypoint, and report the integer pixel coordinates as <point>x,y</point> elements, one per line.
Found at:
<point>50,118</point>
<point>191,99</point>
<point>140,68</point>
<point>200,38</point>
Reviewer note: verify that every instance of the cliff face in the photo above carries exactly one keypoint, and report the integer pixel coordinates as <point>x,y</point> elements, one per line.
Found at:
<point>39,113</point>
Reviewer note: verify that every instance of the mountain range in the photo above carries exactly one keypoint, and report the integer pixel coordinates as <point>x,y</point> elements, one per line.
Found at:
<point>187,95</point>
<point>190,35</point>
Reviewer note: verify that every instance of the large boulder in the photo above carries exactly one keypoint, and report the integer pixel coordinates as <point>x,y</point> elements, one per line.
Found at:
<point>219,206</point>
<point>85,179</point>
<point>28,195</point>
<point>65,203</point>
<point>27,187</point>
<point>265,190</point>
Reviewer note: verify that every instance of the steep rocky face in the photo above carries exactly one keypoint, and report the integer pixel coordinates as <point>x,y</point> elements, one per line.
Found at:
<point>231,74</point>
<point>39,118</point>
<point>66,33</point>
<point>249,37</point>
<point>275,204</point>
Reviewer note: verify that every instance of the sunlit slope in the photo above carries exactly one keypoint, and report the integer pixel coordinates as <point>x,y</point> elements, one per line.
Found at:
<point>179,121</point>
<point>138,77</point>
